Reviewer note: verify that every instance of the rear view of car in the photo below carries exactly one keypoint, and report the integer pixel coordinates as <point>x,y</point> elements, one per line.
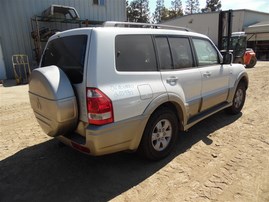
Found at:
<point>51,90</point>
<point>109,89</point>
<point>78,97</point>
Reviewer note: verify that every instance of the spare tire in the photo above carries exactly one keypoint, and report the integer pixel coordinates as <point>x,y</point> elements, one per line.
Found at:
<point>53,100</point>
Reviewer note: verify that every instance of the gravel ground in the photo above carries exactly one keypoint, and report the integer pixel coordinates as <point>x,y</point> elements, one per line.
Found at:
<point>223,158</point>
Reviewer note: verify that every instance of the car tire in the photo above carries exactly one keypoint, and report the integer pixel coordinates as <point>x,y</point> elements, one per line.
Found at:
<point>160,135</point>
<point>238,100</point>
<point>252,62</point>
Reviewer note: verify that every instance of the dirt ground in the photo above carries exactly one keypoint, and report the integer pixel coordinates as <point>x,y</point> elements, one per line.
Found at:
<point>223,158</point>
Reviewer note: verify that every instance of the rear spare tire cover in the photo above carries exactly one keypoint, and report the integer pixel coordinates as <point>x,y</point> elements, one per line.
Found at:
<point>53,100</point>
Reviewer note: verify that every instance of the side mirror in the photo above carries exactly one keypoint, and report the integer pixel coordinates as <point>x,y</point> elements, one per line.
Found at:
<point>227,57</point>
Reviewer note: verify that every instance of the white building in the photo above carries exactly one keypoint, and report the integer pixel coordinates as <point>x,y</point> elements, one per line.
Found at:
<point>16,26</point>
<point>254,23</point>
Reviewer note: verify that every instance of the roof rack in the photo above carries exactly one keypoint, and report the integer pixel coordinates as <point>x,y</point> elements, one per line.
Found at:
<point>142,25</point>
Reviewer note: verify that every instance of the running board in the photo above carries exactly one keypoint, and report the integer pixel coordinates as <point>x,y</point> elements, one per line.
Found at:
<point>201,116</point>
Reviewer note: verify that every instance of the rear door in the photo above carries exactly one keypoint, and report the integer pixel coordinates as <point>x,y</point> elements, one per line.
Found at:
<point>215,76</point>
<point>68,51</point>
<point>181,79</point>
<point>135,82</point>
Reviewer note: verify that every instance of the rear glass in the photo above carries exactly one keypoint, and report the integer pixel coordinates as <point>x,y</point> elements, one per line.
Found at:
<point>164,54</point>
<point>135,53</point>
<point>68,53</point>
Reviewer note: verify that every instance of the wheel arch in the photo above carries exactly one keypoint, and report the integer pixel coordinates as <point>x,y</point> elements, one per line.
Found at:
<point>242,78</point>
<point>160,134</point>
<point>176,105</point>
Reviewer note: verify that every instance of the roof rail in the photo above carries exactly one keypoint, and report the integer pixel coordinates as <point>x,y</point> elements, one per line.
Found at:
<point>142,25</point>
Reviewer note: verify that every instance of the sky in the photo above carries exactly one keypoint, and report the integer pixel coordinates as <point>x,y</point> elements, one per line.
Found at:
<point>257,5</point>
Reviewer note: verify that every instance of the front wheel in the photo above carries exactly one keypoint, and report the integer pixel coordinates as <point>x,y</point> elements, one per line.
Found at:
<point>238,100</point>
<point>160,135</point>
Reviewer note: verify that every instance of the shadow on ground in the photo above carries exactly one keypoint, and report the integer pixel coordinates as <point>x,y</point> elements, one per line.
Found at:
<point>11,83</point>
<point>47,172</point>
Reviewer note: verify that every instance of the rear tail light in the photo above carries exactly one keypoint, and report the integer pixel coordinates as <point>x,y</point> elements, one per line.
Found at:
<point>100,109</point>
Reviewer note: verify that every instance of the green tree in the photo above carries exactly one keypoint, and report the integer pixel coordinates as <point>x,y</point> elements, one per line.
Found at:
<point>176,9</point>
<point>212,5</point>
<point>157,15</point>
<point>192,6</point>
<point>128,11</point>
<point>162,13</point>
<point>138,11</point>
<point>166,14</point>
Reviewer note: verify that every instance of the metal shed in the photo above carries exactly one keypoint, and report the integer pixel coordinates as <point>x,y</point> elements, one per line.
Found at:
<point>15,24</point>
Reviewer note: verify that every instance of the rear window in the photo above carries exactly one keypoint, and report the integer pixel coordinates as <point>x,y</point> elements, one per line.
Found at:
<point>68,53</point>
<point>181,51</point>
<point>174,52</point>
<point>164,53</point>
<point>135,53</point>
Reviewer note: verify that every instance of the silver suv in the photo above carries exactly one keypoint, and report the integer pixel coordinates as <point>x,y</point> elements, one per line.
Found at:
<point>128,86</point>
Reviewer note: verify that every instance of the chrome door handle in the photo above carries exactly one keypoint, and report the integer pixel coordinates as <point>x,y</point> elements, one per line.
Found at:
<point>172,80</point>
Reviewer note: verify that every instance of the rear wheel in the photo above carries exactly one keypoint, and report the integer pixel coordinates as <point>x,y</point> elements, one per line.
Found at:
<point>252,62</point>
<point>160,135</point>
<point>238,100</point>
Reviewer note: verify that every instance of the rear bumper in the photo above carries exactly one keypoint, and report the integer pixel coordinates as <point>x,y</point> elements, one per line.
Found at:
<point>110,138</point>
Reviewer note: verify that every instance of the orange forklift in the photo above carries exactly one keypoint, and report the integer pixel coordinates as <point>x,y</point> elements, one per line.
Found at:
<point>235,42</point>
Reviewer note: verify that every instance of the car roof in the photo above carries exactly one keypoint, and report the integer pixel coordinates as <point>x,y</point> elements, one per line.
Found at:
<point>113,31</point>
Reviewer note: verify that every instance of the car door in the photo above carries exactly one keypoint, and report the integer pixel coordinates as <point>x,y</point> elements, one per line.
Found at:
<point>215,76</point>
<point>181,79</point>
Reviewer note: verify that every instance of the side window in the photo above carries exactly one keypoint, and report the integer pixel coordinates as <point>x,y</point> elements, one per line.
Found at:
<point>164,53</point>
<point>206,52</point>
<point>181,52</point>
<point>135,53</point>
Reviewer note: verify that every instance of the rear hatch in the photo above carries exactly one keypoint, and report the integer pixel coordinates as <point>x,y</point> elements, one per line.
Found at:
<point>56,88</point>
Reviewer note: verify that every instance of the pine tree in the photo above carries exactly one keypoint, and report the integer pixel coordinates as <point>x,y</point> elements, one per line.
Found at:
<point>128,11</point>
<point>176,9</point>
<point>138,11</point>
<point>212,5</point>
<point>157,16</point>
<point>166,14</point>
<point>192,6</point>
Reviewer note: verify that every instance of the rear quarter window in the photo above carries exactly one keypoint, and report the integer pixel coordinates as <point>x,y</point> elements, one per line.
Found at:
<point>68,53</point>
<point>135,53</point>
